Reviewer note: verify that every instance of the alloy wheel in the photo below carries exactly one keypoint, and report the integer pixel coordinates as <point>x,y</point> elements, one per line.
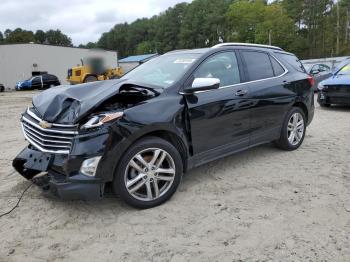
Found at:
<point>295,129</point>
<point>149,174</point>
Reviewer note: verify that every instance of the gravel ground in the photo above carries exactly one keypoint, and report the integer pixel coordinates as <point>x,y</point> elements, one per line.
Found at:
<point>260,205</point>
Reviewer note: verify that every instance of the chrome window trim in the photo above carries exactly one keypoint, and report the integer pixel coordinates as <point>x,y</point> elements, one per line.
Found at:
<point>66,152</point>
<point>249,82</point>
<point>39,119</point>
<point>248,45</point>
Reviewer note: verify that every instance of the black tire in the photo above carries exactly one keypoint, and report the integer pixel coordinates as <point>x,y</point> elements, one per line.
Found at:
<point>283,142</point>
<point>119,181</point>
<point>89,79</point>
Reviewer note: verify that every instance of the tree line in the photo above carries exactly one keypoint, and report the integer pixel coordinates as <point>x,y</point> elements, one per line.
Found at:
<point>50,37</point>
<point>309,28</point>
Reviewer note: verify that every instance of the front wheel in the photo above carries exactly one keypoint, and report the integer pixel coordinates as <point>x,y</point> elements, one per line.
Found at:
<point>293,130</point>
<point>148,173</point>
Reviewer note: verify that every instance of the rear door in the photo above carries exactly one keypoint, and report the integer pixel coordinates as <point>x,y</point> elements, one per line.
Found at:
<point>219,119</point>
<point>269,94</point>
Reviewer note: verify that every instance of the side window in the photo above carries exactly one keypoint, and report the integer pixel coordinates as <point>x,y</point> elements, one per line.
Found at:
<point>316,68</point>
<point>324,68</point>
<point>277,68</point>
<point>36,80</point>
<point>223,66</point>
<point>45,77</point>
<point>258,65</point>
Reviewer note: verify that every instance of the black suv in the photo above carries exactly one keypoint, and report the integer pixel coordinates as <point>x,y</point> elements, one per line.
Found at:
<point>173,113</point>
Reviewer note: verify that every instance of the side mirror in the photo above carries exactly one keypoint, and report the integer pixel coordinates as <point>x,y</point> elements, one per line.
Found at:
<point>203,84</point>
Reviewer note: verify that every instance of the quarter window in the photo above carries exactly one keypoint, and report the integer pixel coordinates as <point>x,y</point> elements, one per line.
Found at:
<point>277,68</point>
<point>223,66</point>
<point>258,65</point>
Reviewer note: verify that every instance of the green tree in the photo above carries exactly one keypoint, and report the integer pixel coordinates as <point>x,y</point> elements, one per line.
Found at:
<point>19,36</point>
<point>40,36</point>
<point>204,23</point>
<point>56,37</point>
<point>243,19</point>
<point>145,47</point>
<point>7,33</point>
<point>168,27</point>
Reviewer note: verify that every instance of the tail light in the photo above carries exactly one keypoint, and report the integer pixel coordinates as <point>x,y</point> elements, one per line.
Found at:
<point>311,80</point>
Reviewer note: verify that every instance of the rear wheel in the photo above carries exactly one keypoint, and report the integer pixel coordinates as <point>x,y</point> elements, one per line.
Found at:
<point>89,79</point>
<point>149,173</point>
<point>293,130</point>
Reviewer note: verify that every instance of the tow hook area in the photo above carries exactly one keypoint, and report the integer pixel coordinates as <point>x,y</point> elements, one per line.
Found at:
<point>42,181</point>
<point>78,187</point>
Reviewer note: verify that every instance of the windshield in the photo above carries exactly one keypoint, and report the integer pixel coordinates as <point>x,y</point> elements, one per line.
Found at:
<point>162,71</point>
<point>345,70</point>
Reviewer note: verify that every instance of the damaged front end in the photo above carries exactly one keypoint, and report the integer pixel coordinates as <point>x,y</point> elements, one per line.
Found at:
<point>70,131</point>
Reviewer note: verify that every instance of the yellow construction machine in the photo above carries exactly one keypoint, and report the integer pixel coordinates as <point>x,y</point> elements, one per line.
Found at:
<point>92,69</point>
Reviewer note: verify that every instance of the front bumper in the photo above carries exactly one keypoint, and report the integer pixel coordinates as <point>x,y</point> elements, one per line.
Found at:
<point>339,98</point>
<point>30,162</point>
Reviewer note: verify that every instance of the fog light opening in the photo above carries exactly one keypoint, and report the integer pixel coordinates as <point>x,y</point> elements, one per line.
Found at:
<point>89,166</point>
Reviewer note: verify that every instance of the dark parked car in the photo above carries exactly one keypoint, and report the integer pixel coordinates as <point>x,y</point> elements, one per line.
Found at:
<point>2,88</point>
<point>319,72</point>
<point>173,113</point>
<point>43,81</point>
<point>336,89</point>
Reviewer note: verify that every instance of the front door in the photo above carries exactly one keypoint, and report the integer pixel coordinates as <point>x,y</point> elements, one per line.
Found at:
<point>219,119</point>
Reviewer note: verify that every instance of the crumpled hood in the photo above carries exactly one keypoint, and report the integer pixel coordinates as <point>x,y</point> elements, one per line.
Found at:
<point>337,80</point>
<point>67,104</point>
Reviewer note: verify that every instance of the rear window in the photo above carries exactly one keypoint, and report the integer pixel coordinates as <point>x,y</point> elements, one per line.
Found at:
<point>292,60</point>
<point>258,65</point>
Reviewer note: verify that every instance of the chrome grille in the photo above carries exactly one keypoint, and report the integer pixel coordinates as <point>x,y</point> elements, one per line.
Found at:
<point>57,138</point>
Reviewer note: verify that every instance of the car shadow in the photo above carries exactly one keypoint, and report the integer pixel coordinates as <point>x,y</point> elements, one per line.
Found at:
<point>111,204</point>
<point>338,108</point>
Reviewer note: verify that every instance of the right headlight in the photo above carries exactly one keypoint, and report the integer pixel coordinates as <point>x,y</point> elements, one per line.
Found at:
<point>101,119</point>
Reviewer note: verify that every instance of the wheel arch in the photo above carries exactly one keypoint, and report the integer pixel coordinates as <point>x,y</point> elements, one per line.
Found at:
<point>303,107</point>
<point>113,156</point>
<point>173,139</point>
<point>87,75</point>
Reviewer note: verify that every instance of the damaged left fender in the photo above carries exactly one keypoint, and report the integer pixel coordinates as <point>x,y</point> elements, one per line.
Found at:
<point>139,122</point>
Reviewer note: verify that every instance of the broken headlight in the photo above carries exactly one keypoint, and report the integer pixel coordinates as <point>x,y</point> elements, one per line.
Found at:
<point>101,119</point>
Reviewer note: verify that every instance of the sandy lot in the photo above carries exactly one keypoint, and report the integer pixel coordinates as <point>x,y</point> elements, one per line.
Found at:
<point>260,205</point>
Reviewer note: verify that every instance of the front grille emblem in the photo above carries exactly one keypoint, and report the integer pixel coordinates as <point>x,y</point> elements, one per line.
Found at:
<point>45,124</point>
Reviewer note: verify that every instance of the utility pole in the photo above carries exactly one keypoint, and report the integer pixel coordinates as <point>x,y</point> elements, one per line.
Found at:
<point>338,29</point>
<point>347,26</point>
<point>270,38</point>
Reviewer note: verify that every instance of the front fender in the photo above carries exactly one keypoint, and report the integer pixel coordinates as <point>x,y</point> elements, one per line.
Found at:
<point>116,148</point>
<point>139,122</point>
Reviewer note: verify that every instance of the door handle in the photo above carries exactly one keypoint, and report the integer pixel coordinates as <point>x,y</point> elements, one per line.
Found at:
<point>241,92</point>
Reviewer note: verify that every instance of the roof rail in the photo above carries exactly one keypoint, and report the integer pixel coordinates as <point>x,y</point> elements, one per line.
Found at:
<point>248,44</point>
<point>176,50</point>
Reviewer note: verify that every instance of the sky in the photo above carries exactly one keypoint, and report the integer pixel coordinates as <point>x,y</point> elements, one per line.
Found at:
<point>82,20</point>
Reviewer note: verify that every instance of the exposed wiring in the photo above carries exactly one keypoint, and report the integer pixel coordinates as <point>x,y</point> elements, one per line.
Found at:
<point>19,199</point>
